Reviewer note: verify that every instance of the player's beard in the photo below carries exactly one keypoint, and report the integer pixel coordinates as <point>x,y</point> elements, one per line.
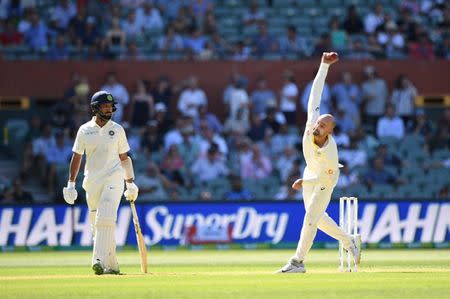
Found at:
<point>105,117</point>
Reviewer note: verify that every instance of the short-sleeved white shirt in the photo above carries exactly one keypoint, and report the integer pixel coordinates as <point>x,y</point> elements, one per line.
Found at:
<point>289,90</point>
<point>102,146</point>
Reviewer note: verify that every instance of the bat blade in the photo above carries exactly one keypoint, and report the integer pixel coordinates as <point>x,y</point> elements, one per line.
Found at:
<point>140,239</point>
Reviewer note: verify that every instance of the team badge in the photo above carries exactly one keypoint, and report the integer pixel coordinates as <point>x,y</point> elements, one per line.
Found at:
<point>330,171</point>
<point>317,109</point>
<point>109,97</point>
<point>111,133</point>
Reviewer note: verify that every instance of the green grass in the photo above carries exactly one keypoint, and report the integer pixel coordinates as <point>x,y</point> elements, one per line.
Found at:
<point>227,274</point>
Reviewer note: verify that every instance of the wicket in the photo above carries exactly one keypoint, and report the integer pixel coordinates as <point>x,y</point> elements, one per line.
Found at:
<point>348,221</point>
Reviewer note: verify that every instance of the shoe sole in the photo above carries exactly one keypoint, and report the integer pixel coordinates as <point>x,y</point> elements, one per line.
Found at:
<point>98,269</point>
<point>291,271</point>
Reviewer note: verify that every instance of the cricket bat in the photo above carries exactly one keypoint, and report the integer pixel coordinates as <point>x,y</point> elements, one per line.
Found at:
<point>139,239</point>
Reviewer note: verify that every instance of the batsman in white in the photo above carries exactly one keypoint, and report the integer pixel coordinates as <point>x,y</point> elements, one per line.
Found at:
<point>107,165</point>
<point>319,177</point>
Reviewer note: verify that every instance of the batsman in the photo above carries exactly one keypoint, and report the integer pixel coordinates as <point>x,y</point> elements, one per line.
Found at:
<point>319,177</point>
<point>107,165</point>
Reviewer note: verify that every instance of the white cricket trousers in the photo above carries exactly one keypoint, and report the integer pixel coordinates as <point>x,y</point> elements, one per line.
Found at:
<point>316,198</point>
<point>103,199</point>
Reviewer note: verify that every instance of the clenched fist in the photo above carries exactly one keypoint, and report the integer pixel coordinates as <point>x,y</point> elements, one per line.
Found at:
<point>330,57</point>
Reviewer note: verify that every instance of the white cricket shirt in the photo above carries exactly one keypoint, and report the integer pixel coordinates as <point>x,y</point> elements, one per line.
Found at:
<point>102,146</point>
<point>322,163</point>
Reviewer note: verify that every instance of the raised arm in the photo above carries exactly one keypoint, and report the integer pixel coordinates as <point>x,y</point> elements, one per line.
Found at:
<point>315,95</point>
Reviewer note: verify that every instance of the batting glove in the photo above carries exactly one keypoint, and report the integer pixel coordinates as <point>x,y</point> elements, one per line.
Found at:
<point>70,193</point>
<point>132,192</point>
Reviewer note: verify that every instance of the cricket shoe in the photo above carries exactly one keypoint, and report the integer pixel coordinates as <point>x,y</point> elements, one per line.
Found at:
<point>293,266</point>
<point>98,268</point>
<point>355,249</point>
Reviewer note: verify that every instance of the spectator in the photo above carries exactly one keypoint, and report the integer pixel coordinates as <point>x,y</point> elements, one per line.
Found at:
<point>41,148</point>
<point>391,40</point>
<point>421,125</point>
<point>374,48</point>
<point>210,24</point>
<point>170,42</point>
<point>189,148</point>
<point>347,177</point>
<point>170,8</point>
<point>207,53</point>
<point>264,43</point>
<point>288,97</point>
<point>374,18</point>
<point>115,36</point>
<point>152,184</point>
<point>325,103</point>
<point>253,16</point>
<point>390,125</point>
<point>90,34</point>
<point>131,4</point>
<point>292,43</point>
<point>237,192</point>
<point>162,93</point>
<point>354,155</point>
<point>25,23</point>
<point>10,36</point>
<point>267,146</point>
<point>63,13</point>
<point>174,135</point>
<point>287,192</point>
<point>323,44</point>
<point>374,94</point>
<point>257,128</point>
<point>209,167</point>
<point>359,50</point>
<point>141,108</point>
<point>77,25</point>
<point>195,42</point>
<point>347,96</point>
<point>257,166</point>
<point>403,97</point>
<point>131,26</point>
<point>441,140</point>
<point>185,22</point>
<point>341,138</point>
<point>423,49</point>
<point>274,119</point>
<point>36,35</point>
<point>16,194</point>
<point>345,122</point>
<point>238,102</point>
<point>444,120</point>
<point>119,93</point>
<point>191,98</point>
<point>352,23</point>
<point>200,8</point>
<point>210,119</point>
<point>152,140</point>
<point>209,138</point>
<point>285,162</point>
<point>339,39</point>
<point>173,165</point>
<point>241,52</point>
<point>389,158</point>
<point>132,52</point>
<point>162,118</point>
<point>284,139</point>
<point>149,18</point>
<point>58,155</point>
<point>59,51</point>
<point>220,46</point>
<point>377,174</point>
<point>443,49</point>
<point>261,96</point>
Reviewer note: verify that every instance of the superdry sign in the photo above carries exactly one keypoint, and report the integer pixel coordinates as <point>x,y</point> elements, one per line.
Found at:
<point>248,222</point>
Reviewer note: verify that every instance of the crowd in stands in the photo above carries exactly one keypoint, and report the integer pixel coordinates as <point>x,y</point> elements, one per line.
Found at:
<point>389,147</point>
<point>223,29</point>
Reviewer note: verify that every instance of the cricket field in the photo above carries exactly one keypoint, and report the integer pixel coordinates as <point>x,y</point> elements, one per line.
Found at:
<point>396,273</point>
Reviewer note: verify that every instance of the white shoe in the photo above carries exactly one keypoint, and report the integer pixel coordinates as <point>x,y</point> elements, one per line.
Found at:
<point>293,266</point>
<point>355,249</point>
